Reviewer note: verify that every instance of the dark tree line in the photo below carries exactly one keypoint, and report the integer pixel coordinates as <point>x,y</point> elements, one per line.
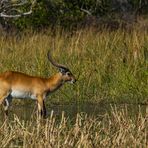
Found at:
<point>67,13</point>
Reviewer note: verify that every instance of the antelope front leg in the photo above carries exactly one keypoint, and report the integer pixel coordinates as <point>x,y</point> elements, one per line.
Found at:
<point>41,106</point>
<point>7,103</point>
<point>3,95</point>
<point>6,106</point>
<point>44,109</point>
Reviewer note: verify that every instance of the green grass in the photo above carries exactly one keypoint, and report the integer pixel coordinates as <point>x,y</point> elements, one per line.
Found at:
<point>104,62</point>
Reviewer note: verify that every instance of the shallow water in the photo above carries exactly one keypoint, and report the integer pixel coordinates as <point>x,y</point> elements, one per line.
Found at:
<point>27,112</point>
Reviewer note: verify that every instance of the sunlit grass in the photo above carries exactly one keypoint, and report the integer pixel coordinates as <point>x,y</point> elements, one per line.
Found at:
<point>110,66</point>
<point>117,129</point>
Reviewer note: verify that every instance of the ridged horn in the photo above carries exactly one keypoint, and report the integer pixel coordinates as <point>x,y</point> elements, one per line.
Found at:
<point>54,63</point>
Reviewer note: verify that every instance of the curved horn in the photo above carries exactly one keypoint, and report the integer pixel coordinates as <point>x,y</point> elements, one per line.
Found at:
<point>54,63</point>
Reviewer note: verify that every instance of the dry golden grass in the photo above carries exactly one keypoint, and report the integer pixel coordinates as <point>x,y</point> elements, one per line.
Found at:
<point>117,129</point>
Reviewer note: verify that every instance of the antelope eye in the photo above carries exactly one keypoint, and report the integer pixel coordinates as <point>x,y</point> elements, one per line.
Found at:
<point>68,73</point>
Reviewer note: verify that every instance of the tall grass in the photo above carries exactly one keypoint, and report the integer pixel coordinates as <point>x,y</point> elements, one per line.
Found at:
<point>117,129</point>
<point>110,66</point>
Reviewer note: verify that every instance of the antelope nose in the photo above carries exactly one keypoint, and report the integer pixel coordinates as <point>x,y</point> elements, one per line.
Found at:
<point>74,81</point>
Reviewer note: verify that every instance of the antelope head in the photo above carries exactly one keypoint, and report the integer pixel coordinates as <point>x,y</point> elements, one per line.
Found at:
<point>65,73</point>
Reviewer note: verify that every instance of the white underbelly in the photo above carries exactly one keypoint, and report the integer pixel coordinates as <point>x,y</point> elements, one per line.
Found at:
<point>22,94</point>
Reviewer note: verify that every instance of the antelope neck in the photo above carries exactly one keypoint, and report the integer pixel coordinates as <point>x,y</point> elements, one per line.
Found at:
<point>54,82</point>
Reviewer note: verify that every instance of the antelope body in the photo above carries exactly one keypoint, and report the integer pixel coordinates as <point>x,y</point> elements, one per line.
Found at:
<point>23,86</point>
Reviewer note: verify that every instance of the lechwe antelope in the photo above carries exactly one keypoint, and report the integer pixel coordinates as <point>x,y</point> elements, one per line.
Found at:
<point>20,85</point>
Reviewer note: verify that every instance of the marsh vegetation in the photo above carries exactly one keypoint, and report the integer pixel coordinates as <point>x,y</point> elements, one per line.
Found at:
<point>111,67</point>
<point>116,129</point>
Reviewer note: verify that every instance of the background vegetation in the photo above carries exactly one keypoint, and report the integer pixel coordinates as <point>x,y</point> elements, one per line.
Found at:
<point>78,13</point>
<point>110,66</point>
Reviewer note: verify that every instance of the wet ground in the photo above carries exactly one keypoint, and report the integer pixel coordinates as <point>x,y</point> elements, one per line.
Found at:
<point>27,112</point>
